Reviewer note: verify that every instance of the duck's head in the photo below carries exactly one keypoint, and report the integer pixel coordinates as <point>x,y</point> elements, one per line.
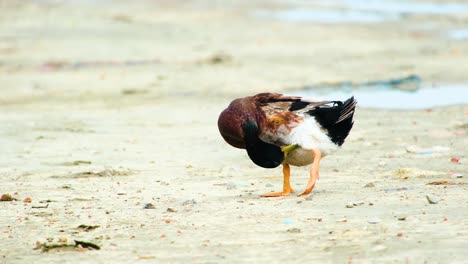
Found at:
<point>240,128</point>
<point>230,123</point>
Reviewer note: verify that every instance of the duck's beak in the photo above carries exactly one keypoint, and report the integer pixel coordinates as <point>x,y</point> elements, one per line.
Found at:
<point>289,148</point>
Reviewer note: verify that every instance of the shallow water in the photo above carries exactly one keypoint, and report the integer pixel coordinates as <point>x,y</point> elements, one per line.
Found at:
<point>458,34</point>
<point>362,11</point>
<point>391,98</point>
<point>327,16</point>
<point>401,7</point>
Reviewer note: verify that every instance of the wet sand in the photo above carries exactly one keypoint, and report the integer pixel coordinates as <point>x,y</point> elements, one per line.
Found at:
<point>107,108</point>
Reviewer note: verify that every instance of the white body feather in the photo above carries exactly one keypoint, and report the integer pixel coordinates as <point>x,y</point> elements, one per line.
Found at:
<point>308,135</point>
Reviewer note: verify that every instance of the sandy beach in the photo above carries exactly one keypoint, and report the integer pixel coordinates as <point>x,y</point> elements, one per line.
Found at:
<point>108,115</point>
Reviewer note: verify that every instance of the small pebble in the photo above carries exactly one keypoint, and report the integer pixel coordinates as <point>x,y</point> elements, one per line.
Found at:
<point>379,248</point>
<point>231,186</point>
<point>27,200</point>
<point>374,220</point>
<point>401,217</point>
<point>399,234</point>
<point>148,206</point>
<point>369,185</point>
<point>146,257</point>
<point>189,202</point>
<point>6,198</point>
<point>353,204</point>
<point>455,160</point>
<point>293,230</point>
<point>171,210</point>
<point>432,199</point>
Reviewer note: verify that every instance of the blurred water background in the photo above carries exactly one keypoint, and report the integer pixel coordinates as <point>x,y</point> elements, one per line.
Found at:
<point>405,92</point>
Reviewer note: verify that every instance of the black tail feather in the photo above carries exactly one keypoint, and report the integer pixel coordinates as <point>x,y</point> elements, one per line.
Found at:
<point>336,119</point>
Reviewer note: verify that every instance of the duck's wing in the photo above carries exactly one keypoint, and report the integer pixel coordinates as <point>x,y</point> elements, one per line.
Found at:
<point>274,103</point>
<point>279,114</point>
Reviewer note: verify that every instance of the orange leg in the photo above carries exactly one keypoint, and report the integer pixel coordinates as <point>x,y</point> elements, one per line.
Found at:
<point>314,172</point>
<point>286,184</point>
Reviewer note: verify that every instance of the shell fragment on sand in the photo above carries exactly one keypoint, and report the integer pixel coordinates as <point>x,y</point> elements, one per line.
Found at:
<point>432,199</point>
<point>374,220</point>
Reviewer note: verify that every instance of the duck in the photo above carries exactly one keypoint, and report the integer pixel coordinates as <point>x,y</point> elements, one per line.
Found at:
<point>277,129</point>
